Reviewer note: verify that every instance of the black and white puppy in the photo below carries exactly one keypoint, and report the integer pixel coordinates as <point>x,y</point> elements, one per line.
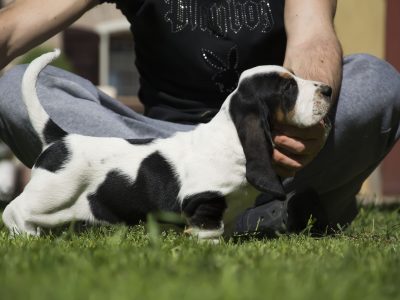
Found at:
<point>112,180</point>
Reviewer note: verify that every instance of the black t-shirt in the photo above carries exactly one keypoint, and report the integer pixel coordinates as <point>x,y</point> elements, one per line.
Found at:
<point>190,53</point>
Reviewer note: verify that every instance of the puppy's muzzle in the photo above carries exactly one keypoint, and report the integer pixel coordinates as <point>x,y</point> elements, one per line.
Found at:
<point>322,102</point>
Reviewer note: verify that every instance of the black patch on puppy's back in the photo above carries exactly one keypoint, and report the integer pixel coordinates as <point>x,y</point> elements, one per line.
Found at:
<point>119,199</point>
<point>54,158</point>
<point>140,141</point>
<point>52,132</point>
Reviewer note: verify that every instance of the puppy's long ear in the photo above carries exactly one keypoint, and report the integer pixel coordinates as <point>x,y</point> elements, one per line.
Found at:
<point>251,121</point>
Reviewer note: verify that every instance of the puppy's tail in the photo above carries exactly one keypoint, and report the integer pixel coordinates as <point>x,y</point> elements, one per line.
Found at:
<point>47,130</point>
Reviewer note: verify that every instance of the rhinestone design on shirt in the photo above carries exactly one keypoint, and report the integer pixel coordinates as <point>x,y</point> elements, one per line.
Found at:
<point>227,76</point>
<point>218,17</point>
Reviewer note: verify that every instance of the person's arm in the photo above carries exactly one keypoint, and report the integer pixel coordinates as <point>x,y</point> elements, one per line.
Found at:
<point>313,52</point>
<point>25,24</point>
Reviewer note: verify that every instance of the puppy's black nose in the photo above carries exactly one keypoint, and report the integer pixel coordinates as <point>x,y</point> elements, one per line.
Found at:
<point>326,90</point>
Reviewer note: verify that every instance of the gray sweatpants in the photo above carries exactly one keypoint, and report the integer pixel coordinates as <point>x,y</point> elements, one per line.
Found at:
<point>365,126</point>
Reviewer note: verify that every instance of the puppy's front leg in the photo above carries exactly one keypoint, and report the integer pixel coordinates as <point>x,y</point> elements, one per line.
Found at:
<point>204,212</point>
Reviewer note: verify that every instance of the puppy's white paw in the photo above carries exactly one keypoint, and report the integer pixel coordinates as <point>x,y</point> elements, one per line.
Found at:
<point>210,235</point>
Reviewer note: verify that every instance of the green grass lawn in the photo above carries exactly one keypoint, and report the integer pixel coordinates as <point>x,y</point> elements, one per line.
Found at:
<point>363,262</point>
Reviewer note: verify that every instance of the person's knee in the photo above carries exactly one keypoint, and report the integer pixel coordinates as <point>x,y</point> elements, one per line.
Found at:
<point>15,128</point>
<point>370,92</point>
<point>10,89</point>
<point>12,76</point>
<point>10,86</point>
<point>374,76</point>
<point>368,64</point>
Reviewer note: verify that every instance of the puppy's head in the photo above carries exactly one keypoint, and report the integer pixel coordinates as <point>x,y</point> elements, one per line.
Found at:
<point>290,99</point>
<point>266,94</point>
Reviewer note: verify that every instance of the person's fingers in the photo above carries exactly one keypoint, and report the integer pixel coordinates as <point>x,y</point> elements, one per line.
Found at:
<point>314,132</point>
<point>283,160</point>
<point>296,147</point>
<point>299,147</point>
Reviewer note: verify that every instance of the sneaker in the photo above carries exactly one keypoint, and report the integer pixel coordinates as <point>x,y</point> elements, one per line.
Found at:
<point>268,219</point>
<point>271,217</point>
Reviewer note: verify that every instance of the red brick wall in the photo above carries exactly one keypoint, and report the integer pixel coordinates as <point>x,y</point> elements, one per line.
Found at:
<point>393,33</point>
<point>391,164</point>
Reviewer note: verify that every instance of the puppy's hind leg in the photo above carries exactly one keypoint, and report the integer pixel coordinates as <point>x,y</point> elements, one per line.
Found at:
<point>78,211</point>
<point>15,216</point>
<point>46,194</point>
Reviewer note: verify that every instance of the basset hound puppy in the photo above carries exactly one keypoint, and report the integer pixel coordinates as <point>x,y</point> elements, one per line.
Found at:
<point>114,180</point>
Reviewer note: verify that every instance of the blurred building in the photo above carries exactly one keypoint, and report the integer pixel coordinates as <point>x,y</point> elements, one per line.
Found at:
<point>371,26</point>
<point>363,26</point>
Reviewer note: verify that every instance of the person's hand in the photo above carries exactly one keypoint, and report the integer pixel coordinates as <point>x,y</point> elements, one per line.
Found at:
<point>296,147</point>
